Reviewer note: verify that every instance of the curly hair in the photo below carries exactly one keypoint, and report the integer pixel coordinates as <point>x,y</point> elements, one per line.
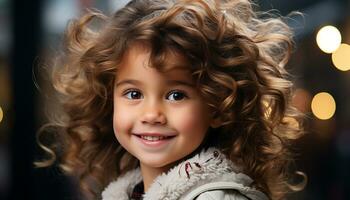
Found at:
<point>237,56</point>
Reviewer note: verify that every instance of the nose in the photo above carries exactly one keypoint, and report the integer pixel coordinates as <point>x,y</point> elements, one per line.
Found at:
<point>153,114</point>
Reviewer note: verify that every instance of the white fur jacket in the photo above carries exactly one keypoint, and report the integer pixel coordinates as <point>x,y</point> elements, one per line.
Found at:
<point>208,175</point>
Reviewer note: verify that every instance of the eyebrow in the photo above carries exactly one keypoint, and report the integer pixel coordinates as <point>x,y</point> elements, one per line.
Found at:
<point>169,82</point>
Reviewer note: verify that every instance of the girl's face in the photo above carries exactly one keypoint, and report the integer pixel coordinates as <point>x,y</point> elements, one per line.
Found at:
<point>150,105</point>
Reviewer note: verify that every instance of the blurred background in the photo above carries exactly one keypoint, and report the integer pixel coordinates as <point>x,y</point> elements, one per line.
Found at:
<point>30,31</point>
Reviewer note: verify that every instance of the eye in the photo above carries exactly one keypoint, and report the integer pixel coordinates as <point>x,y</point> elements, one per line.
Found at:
<point>133,94</point>
<point>176,95</point>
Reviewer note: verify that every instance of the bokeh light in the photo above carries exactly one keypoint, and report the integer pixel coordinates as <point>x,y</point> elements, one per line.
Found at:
<point>341,57</point>
<point>323,106</point>
<point>328,39</point>
<point>1,114</point>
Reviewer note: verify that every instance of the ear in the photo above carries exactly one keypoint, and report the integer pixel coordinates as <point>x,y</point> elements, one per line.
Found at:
<point>216,122</point>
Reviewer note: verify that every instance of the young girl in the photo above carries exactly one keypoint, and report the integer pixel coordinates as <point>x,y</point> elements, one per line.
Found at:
<point>177,99</point>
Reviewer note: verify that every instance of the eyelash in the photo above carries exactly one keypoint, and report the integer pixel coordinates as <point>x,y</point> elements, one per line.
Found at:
<point>169,93</point>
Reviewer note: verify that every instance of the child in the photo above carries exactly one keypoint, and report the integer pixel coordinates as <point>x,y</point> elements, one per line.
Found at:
<point>177,99</point>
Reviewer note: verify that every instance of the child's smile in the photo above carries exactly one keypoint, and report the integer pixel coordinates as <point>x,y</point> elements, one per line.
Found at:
<point>159,117</point>
<point>154,139</point>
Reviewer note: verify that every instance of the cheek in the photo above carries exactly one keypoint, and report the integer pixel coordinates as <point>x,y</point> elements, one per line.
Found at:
<point>192,120</point>
<point>121,120</point>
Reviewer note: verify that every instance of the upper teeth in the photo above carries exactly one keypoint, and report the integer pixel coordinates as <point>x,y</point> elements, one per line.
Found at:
<point>152,138</point>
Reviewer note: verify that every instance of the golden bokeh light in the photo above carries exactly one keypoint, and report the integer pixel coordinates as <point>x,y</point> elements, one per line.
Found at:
<point>1,114</point>
<point>341,57</point>
<point>323,106</point>
<point>328,39</point>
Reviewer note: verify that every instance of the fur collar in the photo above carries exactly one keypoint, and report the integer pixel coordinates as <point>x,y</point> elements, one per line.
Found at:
<point>209,165</point>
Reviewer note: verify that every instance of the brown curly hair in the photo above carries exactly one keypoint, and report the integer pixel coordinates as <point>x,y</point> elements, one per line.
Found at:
<point>238,57</point>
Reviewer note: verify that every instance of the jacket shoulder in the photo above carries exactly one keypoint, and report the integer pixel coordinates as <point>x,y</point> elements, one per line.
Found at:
<point>221,195</point>
<point>224,190</point>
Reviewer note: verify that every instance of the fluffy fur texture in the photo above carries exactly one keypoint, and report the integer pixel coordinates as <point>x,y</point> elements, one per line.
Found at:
<point>175,184</point>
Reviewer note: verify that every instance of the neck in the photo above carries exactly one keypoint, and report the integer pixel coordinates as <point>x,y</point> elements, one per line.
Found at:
<point>150,173</point>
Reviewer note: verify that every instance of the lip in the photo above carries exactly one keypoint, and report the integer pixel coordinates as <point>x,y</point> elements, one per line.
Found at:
<point>153,144</point>
<point>155,134</point>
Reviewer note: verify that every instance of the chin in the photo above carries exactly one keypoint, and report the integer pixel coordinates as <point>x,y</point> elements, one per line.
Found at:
<point>155,163</point>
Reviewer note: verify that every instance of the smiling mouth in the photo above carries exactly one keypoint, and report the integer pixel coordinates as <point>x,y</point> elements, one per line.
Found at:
<point>154,138</point>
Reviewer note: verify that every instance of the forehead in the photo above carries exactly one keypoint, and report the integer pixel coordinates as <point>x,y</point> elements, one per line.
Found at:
<point>167,62</point>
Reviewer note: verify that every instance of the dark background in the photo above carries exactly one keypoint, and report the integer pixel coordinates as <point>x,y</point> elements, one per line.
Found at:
<point>30,30</point>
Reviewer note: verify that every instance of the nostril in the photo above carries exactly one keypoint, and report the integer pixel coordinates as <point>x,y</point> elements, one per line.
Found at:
<point>153,119</point>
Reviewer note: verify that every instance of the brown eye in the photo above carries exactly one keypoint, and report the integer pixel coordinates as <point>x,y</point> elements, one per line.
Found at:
<point>176,96</point>
<point>133,94</point>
